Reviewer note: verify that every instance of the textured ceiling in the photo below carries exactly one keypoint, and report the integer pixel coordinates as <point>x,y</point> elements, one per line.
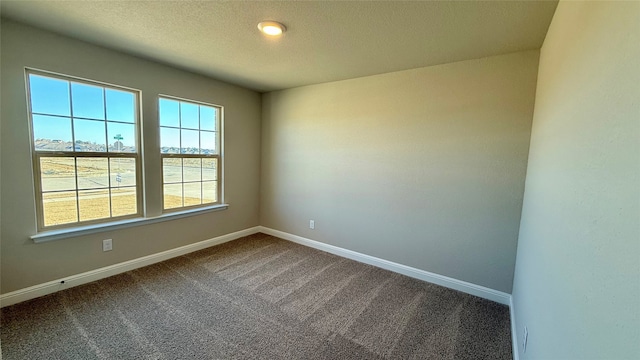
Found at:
<point>325,41</point>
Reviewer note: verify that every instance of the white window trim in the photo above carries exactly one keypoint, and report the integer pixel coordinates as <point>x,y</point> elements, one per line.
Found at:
<point>65,233</point>
<point>35,155</point>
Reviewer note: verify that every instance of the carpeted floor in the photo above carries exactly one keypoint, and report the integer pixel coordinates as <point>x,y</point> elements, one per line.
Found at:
<point>258,297</point>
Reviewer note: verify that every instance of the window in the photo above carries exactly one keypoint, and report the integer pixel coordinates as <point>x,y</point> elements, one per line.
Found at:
<point>85,145</point>
<point>190,152</point>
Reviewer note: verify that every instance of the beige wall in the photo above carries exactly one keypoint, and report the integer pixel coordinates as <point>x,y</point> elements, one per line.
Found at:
<point>25,263</point>
<point>577,282</point>
<point>422,167</point>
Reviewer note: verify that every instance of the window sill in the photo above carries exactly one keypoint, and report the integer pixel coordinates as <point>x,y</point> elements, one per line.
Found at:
<point>92,229</point>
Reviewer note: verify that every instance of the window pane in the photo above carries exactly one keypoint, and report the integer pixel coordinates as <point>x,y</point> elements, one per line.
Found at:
<point>59,208</point>
<point>207,118</point>
<point>192,169</point>
<point>192,195</point>
<point>189,116</point>
<point>169,113</point>
<point>208,142</point>
<point>124,201</point>
<point>88,101</point>
<point>94,204</point>
<point>92,173</point>
<point>209,169</point>
<point>169,141</point>
<point>120,105</point>
<point>209,192</point>
<point>122,137</point>
<point>51,133</point>
<point>57,173</point>
<point>123,172</point>
<point>172,196</point>
<point>171,170</point>
<point>89,135</point>
<point>49,96</point>
<point>190,142</point>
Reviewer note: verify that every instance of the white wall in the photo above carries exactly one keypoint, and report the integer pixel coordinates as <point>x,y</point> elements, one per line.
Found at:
<point>422,167</point>
<point>577,281</point>
<point>24,263</point>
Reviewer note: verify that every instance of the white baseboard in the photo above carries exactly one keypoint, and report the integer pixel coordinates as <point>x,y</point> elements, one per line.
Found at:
<point>33,292</point>
<point>469,288</point>
<point>514,330</point>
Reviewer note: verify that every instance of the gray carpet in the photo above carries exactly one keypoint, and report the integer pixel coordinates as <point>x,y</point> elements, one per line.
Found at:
<point>258,297</point>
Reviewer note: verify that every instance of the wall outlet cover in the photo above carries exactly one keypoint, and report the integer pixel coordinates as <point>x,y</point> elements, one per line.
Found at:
<point>107,245</point>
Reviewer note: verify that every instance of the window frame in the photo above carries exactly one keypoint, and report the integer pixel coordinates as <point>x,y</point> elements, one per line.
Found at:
<point>219,155</point>
<point>36,155</point>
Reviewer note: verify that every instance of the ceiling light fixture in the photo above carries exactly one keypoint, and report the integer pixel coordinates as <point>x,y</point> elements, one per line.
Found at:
<point>271,28</point>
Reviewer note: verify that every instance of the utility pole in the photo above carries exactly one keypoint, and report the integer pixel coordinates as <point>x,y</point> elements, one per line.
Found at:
<point>118,145</point>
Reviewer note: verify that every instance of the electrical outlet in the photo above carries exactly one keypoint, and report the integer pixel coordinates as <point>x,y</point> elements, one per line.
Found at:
<point>107,245</point>
<point>525,337</point>
<point>312,224</point>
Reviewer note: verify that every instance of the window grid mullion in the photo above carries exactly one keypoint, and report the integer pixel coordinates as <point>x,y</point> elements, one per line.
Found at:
<point>73,148</point>
<point>109,182</point>
<point>181,160</point>
<point>104,113</point>
<point>200,150</point>
<point>73,128</point>
<point>40,194</point>
<point>106,137</point>
<point>75,164</point>
<point>85,154</point>
<point>199,127</point>
<point>182,180</point>
<point>180,126</point>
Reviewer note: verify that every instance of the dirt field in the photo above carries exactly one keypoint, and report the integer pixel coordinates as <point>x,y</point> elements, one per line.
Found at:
<point>60,208</point>
<point>93,180</point>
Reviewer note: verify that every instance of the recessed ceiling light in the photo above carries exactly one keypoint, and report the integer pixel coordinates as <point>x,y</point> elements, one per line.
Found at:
<point>272,28</point>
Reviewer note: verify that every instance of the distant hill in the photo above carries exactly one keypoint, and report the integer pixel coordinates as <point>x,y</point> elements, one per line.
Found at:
<point>59,145</point>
